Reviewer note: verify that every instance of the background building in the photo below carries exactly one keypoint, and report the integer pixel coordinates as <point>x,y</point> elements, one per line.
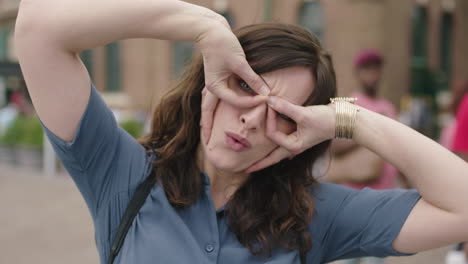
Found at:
<point>410,34</point>
<point>414,35</point>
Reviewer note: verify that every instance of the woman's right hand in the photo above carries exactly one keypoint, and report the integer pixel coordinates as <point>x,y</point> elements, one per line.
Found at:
<point>223,57</point>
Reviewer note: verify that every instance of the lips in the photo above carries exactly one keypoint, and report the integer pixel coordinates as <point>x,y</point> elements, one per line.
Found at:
<point>237,142</point>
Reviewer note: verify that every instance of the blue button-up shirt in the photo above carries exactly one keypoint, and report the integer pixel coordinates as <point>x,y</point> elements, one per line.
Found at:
<point>107,165</point>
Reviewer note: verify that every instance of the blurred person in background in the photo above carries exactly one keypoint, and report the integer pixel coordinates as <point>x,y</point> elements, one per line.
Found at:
<point>373,172</point>
<point>18,104</point>
<point>454,137</point>
<point>460,143</point>
<point>377,174</point>
<point>447,135</point>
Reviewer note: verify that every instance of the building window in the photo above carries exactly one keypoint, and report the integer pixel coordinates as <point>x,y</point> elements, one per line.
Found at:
<point>182,50</point>
<point>4,94</point>
<point>311,17</point>
<point>419,31</point>
<point>4,33</point>
<point>113,67</point>
<point>446,41</point>
<point>268,10</point>
<point>182,53</point>
<point>422,79</point>
<point>228,17</point>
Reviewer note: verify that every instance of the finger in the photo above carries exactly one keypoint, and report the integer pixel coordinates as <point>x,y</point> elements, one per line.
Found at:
<point>228,95</point>
<point>295,112</point>
<point>207,114</point>
<point>271,121</point>
<point>209,103</point>
<point>288,142</point>
<point>245,72</point>
<point>274,157</point>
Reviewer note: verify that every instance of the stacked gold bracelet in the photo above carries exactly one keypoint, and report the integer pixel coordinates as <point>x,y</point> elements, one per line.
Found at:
<point>345,113</point>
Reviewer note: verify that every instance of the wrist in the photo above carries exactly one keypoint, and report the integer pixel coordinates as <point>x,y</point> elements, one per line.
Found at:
<point>345,116</point>
<point>365,129</point>
<point>186,21</point>
<point>331,128</point>
<point>213,29</point>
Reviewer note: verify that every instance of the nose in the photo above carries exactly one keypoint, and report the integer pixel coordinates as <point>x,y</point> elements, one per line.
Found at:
<point>254,118</point>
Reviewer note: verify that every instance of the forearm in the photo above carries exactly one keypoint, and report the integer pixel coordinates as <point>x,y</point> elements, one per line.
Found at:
<point>77,25</point>
<point>440,176</point>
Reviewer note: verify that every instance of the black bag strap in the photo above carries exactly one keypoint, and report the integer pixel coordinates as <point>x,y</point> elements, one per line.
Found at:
<point>134,206</point>
<point>303,257</point>
<point>132,210</point>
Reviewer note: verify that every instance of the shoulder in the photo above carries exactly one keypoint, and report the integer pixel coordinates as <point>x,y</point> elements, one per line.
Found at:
<point>332,199</point>
<point>327,198</point>
<point>328,192</point>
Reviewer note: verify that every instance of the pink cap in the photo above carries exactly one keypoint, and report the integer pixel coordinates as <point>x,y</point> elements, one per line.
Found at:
<point>368,57</point>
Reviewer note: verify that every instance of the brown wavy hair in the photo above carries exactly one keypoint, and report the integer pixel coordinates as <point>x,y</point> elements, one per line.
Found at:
<point>274,206</point>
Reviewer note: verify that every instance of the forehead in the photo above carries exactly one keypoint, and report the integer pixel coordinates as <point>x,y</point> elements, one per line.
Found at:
<point>294,84</point>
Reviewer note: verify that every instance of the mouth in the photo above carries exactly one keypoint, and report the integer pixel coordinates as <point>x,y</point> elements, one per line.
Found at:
<point>237,142</point>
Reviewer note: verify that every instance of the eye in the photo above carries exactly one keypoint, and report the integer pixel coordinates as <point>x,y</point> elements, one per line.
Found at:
<point>285,117</point>
<point>244,86</point>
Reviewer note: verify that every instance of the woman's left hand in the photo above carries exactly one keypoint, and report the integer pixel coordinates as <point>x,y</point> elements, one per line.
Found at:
<point>315,124</point>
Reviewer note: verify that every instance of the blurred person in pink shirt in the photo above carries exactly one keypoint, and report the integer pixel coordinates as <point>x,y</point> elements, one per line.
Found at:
<point>454,136</point>
<point>374,172</point>
<point>460,140</point>
<point>447,135</point>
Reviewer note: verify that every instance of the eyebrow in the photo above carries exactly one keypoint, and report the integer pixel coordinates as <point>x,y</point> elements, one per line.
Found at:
<point>269,87</point>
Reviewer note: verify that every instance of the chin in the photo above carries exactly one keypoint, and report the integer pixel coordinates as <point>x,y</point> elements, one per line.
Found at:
<point>226,161</point>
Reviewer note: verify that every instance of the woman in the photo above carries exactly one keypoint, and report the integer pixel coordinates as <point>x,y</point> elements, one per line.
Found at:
<point>245,193</point>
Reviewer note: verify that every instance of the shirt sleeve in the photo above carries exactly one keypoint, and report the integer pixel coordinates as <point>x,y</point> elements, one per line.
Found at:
<point>367,222</point>
<point>102,158</point>
<point>460,142</point>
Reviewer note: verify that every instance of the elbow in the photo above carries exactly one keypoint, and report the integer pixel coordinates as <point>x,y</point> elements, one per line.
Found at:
<point>30,19</point>
<point>36,23</point>
<point>28,38</point>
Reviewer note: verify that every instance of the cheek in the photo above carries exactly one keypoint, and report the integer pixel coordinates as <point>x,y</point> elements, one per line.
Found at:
<point>223,117</point>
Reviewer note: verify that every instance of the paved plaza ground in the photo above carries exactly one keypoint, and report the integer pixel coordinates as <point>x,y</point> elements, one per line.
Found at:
<point>44,220</point>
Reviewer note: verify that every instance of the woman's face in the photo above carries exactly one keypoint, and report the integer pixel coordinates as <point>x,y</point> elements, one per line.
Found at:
<point>238,137</point>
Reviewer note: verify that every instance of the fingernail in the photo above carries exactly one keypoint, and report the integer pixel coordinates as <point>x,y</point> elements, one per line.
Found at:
<point>264,90</point>
<point>272,100</point>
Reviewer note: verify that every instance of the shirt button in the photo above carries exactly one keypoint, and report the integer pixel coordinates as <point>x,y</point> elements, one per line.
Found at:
<point>209,248</point>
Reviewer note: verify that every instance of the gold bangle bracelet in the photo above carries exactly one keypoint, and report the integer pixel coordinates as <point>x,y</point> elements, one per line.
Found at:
<point>345,116</point>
